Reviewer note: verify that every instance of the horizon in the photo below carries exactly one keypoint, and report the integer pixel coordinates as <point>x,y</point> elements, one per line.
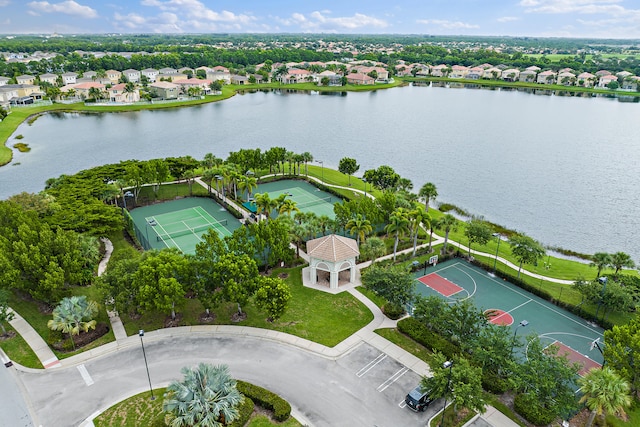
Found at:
<point>565,19</point>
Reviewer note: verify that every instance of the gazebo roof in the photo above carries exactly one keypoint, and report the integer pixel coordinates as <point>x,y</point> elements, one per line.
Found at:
<point>332,248</point>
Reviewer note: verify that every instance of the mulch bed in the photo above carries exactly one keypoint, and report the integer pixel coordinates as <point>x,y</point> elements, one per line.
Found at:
<point>81,340</point>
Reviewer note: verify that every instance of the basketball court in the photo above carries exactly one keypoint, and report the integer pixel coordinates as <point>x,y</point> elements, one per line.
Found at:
<point>512,307</point>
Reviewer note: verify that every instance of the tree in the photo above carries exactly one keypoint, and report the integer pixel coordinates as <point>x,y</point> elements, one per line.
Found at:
<point>600,260</point>
<point>622,351</point>
<point>5,315</point>
<point>447,223</point>
<point>248,184</point>
<point>264,204</point>
<point>621,260</point>
<point>306,158</point>
<point>465,387</point>
<point>384,177</point>
<point>399,226</point>
<point>477,231</point>
<point>129,89</point>
<point>348,166</point>
<point>604,391</point>
<point>428,192</point>
<point>237,276</point>
<point>273,296</point>
<point>287,207</point>
<point>359,226</point>
<point>418,217</point>
<point>394,283</point>
<point>74,315</point>
<point>373,248</point>
<point>206,397</point>
<point>525,250</point>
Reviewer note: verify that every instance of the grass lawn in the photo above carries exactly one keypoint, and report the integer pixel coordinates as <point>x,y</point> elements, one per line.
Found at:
<point>18,350</point>
<point>403,341</point>
<point>140,410</point>
<point>314,315</point>
<point>633,415</point>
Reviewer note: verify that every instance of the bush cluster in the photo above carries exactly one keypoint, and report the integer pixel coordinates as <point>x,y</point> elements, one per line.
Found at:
<point>245,410</point>
<point>493,383</point>
<point>434,342</point>
<point>266,399</point>
<point>527,406</point>
<point>393,311</point>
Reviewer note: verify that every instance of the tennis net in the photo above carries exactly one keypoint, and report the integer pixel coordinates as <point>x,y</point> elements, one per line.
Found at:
<point>315,202</point>
<point>193,230</point>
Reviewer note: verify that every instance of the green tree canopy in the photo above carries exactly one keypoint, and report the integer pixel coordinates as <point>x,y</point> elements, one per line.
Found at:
<point>604,391</point>
<point>526,250</point>
<point>348,166</point>
<point>393,283</point>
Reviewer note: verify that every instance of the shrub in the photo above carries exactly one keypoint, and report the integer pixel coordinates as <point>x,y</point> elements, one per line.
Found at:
<point>494,383</point>
<point>393,311</point>
<point>19,136</point>
<point>418,332</point>
<point>527,406</point>
<point>245,410</point>
<point>266,399</point>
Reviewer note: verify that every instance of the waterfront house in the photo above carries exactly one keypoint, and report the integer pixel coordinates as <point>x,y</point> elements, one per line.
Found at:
<point>458,72</point>
<point>173,77</point>
<point>492,73</point>
<point>335,79</point>
<point>25,79</point>
<point>49,78</point>
<point>83,90</point>
<point>360,79</point>
<point>566,78</point>
<point>601,73</point>
<point>239,80</point>
<point>201,84</point>
<point>475,73</point>
<point>510,75</point>
<point>295,75</point>
<point>528,76</point>
<point>218,75</point>
<point>623,75</point>
<point>630,83</point>
<point>606,79</point>
<point>7,94</point>
<point>586,79</point>
<point>534,68</point>
<point>164,90</point>
<point>439,70</point>
<point>69,78</point>
<point>546,77</point>
<point>117,93</point>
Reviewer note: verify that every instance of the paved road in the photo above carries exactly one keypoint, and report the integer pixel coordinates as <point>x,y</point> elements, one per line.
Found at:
<point>323,391</point>
<point>13,407</point>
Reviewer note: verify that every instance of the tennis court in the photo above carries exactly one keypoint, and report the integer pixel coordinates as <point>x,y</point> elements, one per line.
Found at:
<point>308,198</point>
<point>508,305</point>
<point>181,223</point>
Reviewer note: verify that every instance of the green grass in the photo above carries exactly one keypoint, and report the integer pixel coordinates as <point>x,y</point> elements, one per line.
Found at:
<point>314,315</point>
<point>17,350</point>
<point>496,403</point>
<point>319,88</point>
<point>264,421</point>
<point>633,415</point>
<point>406,343</point>
<point>171,191</point>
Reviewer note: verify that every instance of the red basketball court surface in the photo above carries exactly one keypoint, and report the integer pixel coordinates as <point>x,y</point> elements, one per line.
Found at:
<point>440,284</point>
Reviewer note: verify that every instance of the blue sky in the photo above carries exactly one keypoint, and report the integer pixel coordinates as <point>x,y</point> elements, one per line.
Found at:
<point>545,18</point>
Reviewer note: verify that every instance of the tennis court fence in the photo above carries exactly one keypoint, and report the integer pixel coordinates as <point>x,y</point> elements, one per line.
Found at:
<point>189,230</point>
<point>314,202</point>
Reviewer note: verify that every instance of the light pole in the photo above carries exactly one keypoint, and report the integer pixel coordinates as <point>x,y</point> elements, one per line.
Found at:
<point>497,249</point>
<point>602,280</point>
<point>322,166</point>
<point>596,344</point>
<point>220,180</point>
<point>365,187</point>
<point>446,365</point>
<point>141,333</point>
<point>523,323</point>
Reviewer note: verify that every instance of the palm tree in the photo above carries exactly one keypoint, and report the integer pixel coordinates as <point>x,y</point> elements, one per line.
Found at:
<point>604,391</point>
<point>189,175</point>
<point>428,192</point>
<point>374,247</point>
<point>306,158</point>
<point>248,184</point>
<point>398,225</point>
<point>129,89</point>
<point>418,217</point>
<point>620,260</point>
<point>600,260</point>
<point>324,222</point>
<point>287,207</point>
<point>359,226</point>
<point>95,93</point>
<point>447,223</point>
<point>208,176</point>
<point>265,204</point>
<point>206,397</point>
<point>73,315</point>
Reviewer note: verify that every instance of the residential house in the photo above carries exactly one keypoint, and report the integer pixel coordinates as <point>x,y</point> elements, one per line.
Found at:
<point>239,80</point>
<point>566,78</point>
<point>24,90</point>
<point>25,79</point>
<point>475,73</point>
<point>4,80</point>
<point>150,73</point>
<point>82,90</point>
<point>623,75</point>
<point>335,79</point>
<point>459,72</point>
<point>402,70</point>
<point>586,79</point>
<point>295,75</point>
<point>117,93</point>
<point>164,90</point>
<point>186,70</point>
<point>102,80</point>
<point>630,83</point>
<point>439,70</point>
<point>173,77</point>
<point>49,78</point>
<point>492,73</point>
<point>113,76</point>
<point>167,70</point>
<point>220,69</point>
<point>132,75</point>
<point>603,73</point>
<point>89,75</point>
<point>546,77</point>
<point>510,75</point>
<point>528,76</point>
<point>201,84</point>
<point>217,75</point>
<point>533,68</point>
<point>7,94</point>
<point>606,79</point>
<point>360,79</point>
<point>69,78</point>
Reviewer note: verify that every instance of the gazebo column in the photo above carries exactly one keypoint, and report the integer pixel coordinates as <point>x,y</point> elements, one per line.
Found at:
<point>352,272</point>
<point>334,280</point>
<point>314,274</point>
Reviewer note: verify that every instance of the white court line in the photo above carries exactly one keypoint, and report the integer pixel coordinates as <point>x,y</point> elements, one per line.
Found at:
<point>395,377</point>
<point>369,366</point>
<point>167,234</point>
<point>85,375</point>
<point>537,302</point>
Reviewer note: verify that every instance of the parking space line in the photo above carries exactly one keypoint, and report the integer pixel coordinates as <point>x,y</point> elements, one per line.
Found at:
<point>371,365</point>
<point>402,404</point>
<point>395,377</point>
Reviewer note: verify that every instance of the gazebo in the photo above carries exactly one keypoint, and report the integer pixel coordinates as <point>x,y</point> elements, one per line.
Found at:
<point>332,254</point>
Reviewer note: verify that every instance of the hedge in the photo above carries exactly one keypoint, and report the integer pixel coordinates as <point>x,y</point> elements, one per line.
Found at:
<point>434,342</point>
<point>266,399</point>
<point>245,410</point>
<point>528,406</point>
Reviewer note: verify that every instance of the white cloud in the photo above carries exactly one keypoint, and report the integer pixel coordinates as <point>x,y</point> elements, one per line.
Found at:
<point>508,19</point>
<point>611,7</point>
<point>162,23</point>
<point>322,21</point>
<point>196,10</point>
<point>4,3</point>
<point>68,7</point>
<point>449,25</point>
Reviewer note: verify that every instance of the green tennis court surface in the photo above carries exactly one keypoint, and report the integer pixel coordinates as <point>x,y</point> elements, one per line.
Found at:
<point>308,198</point>
<point>181,223</point>
<point>508,305</point>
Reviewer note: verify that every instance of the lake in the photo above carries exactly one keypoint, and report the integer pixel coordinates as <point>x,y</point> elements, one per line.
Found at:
<point>562,169</point>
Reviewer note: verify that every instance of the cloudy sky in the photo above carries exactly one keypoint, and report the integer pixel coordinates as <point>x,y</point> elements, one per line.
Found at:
<point>550,18</point>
